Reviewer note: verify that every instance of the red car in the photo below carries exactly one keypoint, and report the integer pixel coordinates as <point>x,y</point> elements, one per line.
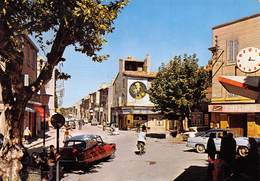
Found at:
<point>85,149</point>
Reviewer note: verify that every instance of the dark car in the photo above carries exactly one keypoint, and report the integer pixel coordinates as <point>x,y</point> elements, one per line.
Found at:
<point>85,149</point>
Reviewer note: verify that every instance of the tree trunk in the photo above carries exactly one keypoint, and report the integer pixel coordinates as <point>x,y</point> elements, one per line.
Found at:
<point>11,152</point>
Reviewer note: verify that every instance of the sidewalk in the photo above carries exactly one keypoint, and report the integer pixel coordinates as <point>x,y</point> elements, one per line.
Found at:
<point>38,142</point>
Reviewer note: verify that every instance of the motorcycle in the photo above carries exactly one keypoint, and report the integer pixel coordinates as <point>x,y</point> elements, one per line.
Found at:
<point>140,147</point>
<point>112,131</point>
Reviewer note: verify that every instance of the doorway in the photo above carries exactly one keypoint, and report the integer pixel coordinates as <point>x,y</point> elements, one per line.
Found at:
<point>238,123</point>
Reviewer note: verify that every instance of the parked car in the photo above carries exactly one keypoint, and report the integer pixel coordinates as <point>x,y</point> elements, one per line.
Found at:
<point>85,149</point>
<point>70,124</point>
<point>200,142</point>
<point>194,131</point>
<point>94,122</point>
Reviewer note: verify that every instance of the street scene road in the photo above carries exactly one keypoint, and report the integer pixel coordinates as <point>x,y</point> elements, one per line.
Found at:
<point>165,159</point>
<point>189,82</point>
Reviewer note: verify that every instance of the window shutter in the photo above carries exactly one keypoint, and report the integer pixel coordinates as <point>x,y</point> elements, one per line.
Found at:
<point>235,49</point>
<point>230,51</point>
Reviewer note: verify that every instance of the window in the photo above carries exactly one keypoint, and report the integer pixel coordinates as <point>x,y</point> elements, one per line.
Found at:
<point>232,51</point>
<point>99,140</point>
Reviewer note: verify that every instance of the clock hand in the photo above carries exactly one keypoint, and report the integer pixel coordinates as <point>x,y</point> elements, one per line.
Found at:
<point>250,59</point>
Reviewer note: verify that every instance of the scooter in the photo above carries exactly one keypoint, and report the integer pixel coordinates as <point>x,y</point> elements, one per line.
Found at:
<point>140,147</point>
<point>112,131</point>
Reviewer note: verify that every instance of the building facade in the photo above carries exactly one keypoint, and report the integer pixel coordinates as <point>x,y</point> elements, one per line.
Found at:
<point>131,104</point>
<point>235,77</point>
<point>29,71</point>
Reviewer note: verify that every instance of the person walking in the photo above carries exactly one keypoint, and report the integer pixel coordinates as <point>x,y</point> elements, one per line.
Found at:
<point>141,139</point>
<point>211,150</point>
<point>27,134</point>
<point>66,134</point>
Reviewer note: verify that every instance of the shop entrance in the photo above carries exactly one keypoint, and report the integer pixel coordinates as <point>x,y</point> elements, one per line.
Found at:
<point>238,123</point>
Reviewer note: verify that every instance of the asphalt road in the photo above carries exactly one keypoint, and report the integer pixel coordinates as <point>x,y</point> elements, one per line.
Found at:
<point>164,160</point>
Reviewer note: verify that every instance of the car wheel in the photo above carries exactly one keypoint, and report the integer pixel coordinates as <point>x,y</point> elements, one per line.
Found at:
<point>200,148</point>
<point>243,151</point>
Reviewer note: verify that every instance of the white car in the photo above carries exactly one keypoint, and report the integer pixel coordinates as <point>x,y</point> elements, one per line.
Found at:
<point>200,142</point>
<point>193,131</point>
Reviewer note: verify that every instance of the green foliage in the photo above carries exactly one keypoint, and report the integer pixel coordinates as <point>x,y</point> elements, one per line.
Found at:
<point>179,87</point>
<point>61,75</point>
<point>81,23</point>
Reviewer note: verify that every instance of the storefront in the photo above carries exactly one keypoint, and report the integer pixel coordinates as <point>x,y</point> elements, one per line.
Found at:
<point>243,119</point>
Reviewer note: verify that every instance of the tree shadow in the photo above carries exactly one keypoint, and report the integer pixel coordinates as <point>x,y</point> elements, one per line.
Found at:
<point>193,173</point>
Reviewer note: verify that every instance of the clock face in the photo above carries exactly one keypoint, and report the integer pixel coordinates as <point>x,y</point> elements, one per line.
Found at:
<point>248,59</point>
<point>137,90</point>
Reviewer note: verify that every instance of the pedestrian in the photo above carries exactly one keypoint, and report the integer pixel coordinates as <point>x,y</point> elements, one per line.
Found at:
<point>80,124</point>
<point>252,160</point>
<point>232,148</point>
<point>104,125</point>
<point>141,139</point>
<point>66,134</point>
<point>27,134</point>
<point>138,127</point>
<point>228,153</point>
<point>211,150</point>
<point>53,156</point>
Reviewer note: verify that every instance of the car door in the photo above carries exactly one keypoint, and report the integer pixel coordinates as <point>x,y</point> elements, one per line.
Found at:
<point>101,150</point>
<point>90,152</point>
<point>204,139</point>
<point>66,151</point>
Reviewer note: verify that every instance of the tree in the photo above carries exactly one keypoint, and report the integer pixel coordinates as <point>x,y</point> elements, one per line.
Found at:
<point>79,23</point>
<point>179,87</point>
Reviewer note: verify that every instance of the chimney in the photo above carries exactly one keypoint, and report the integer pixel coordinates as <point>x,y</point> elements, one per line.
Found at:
<point>147,62</point>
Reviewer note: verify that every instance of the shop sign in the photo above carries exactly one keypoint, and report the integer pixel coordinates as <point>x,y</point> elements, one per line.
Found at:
<point>236,108</point>
<point>217,108</point>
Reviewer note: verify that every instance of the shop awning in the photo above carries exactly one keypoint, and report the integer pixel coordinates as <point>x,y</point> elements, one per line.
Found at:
<point>246,86</point>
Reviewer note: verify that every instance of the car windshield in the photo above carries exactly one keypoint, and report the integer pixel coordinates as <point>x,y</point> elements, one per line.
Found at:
<point>76,144</point>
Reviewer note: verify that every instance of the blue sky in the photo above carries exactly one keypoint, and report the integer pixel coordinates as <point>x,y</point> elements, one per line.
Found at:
<point>160,28</point>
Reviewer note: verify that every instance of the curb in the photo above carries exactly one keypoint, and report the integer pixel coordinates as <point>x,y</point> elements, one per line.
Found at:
<point>38,143</point>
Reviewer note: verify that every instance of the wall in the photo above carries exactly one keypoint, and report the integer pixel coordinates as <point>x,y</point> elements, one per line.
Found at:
<point>247,35</point>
